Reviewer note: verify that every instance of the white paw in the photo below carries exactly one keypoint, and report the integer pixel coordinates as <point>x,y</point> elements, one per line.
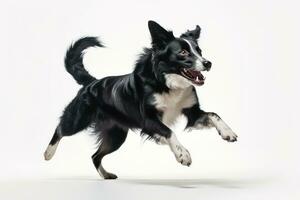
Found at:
<point>48,155</point>
<point>50,151</point>
<point>228,134</point>
<point>182,155</point>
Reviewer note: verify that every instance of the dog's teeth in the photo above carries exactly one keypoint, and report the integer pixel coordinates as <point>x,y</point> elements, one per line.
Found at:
<point>184,69</point>
<point>197,79</point>
<point>204,78</point>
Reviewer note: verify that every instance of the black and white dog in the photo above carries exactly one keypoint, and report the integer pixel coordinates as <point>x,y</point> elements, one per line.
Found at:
<point>149,99</point>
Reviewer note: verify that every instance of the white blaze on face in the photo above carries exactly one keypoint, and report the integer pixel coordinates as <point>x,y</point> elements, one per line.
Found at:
<point>199,62</point>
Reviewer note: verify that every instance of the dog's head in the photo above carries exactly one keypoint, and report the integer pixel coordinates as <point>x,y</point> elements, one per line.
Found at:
<point>177,61</point>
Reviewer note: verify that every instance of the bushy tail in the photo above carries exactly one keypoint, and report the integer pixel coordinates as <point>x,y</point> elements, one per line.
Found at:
<point>73,59</point>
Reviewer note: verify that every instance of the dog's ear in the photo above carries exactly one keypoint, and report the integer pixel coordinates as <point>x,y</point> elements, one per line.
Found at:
<point>160,36</point>
<point>192,34</point>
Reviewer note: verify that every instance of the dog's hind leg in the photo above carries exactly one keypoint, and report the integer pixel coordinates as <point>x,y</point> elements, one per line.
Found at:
<point>77,116</point>
<point>50,151</point>
<point>110,140</point>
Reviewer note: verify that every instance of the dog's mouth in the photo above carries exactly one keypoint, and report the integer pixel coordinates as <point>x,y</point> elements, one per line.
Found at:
<point>192,75</point>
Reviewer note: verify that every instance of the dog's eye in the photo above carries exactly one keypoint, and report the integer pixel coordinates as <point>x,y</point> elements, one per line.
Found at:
<point>184,52</point>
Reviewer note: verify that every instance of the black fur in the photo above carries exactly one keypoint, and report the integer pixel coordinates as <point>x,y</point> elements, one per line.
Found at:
<point>55,138</point>
<point>73,60</point>
<point>115,104</point>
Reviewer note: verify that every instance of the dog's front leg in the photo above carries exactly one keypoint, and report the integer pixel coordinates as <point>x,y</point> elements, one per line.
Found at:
<point>161,130</point>
<point>182,154</point>
<point>198,119</point>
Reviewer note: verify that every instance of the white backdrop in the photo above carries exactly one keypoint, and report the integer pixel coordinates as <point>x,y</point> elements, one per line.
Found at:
<point>253,85</point>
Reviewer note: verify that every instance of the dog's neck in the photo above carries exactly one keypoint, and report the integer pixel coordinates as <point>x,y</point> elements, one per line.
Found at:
<point>176,82</point>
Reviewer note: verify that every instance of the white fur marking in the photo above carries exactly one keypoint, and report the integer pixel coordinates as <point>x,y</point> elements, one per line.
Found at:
<point>182,155</point>
<point>199,61</point>
<point>172,103</point>
<point>50,151</point>
<point>224,130</point>
<point>175,81</point>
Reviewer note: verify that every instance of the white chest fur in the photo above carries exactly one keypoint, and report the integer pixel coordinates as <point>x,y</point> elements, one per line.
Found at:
<point>172,103</point>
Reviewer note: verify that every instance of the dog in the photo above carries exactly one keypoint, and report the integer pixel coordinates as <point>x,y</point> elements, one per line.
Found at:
<point>160,88</point>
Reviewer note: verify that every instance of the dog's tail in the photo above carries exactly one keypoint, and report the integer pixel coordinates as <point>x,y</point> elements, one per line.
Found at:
<point>73,59</point>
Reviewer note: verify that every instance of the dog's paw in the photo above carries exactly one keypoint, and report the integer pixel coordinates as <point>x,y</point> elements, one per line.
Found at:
<point>228,135</point>
<point>182,155</point>
<point>50,151</point>
<point>110,176</point>
<point>48,155</point>
<point>106,175</point>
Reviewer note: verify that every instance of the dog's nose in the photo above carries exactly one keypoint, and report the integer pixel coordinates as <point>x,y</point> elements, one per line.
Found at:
<point>207,65</point>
